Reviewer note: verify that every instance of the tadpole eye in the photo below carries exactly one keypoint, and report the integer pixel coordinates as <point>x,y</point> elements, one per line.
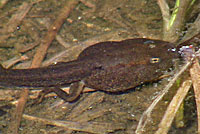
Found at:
<point>155,60</point>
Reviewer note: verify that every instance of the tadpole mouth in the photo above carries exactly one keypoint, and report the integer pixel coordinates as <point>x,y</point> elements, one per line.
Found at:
<point>187,52</point>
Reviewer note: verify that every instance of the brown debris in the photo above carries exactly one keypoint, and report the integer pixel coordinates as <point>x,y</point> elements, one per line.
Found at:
<point>15,21</point>
<point>52,31</point>
<point>195,75</point>
<point>173,107</point>
<point>17,116</point>
<point>85,105</point>
<point>91,127</point>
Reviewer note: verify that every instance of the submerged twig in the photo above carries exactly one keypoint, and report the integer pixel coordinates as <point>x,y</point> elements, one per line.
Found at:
<point>15,21</point>
<point>173,107</point>
<point>195,75</point>
<point>84,105</point>
<point>55,27</point>
<point>147,114</point>
<point>10,94</point>
<point>16,119</point>
<point>14,60</point>
<point>91,127</point>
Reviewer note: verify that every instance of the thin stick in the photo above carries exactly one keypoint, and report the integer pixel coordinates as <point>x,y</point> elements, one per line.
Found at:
<point>15,21</point>
<point>91,127</point>
<point>147,114</point>
<point>17,116</point>
<point>195,75</point>
<point>50,36</point>
<point>173,107</point>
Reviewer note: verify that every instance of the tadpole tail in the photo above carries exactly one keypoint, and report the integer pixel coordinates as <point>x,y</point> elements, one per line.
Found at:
<point>54,75</point>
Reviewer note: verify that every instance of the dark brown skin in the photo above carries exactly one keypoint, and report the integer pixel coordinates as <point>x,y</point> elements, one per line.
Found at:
<point>106,66</point>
